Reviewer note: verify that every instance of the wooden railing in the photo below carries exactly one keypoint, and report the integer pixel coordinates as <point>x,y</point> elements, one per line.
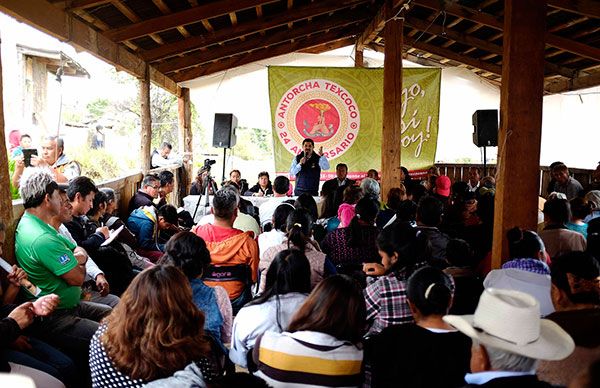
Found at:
<point>126,186</point>
<point>460,172</point>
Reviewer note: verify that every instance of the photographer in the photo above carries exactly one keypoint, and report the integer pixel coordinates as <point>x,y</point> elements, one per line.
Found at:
<point>203,179</point>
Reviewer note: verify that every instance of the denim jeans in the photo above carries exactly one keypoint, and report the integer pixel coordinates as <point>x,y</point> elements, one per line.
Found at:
<point>46,358</point>
<point>71,330</point>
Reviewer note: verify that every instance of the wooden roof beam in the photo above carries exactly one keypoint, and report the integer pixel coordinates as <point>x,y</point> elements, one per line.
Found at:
<point>254,43</point>
<point>261,54</point>
<point>182,18</point>
<point>129,14</point>
<point>82,4</point>
<point>246,28</point>
<point>481,44</point>
<point>377,24</point>
<point>164,8</point>
<point>329,46</point>
<point>582,7</point>
<point>446,53</point>
<point>63,26</point>
<point>491,21</point>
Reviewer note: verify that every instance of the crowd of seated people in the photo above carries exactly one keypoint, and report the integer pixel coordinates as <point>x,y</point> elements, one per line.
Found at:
<point>352,291</point>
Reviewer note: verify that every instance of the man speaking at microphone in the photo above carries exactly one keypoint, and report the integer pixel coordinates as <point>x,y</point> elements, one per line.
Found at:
<point>307,167</point>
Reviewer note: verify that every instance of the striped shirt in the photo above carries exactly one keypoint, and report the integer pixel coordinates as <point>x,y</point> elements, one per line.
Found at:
<point>307,359</point>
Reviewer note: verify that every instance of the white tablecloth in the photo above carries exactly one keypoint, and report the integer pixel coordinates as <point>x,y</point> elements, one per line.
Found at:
<point>189,204</point>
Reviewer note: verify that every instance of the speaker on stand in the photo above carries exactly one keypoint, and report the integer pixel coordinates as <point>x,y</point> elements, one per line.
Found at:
<point>485,134</point>
<point>224,134</point>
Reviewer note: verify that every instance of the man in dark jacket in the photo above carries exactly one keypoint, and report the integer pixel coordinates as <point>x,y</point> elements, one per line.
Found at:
<point>429,217</point>
<point>341,179</point>
<point>146,194</point>
<point>307,168</point>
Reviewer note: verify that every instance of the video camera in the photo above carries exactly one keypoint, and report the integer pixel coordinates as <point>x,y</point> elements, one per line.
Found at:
<point>208,163</point>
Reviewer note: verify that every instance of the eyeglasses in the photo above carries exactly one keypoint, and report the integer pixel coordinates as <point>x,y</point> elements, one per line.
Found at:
<point>155,187</point>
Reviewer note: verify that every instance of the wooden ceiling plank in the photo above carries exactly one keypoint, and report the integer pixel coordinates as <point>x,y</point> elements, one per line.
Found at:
<point>582,7</point>
<point>245,28</point>
<point>129,14</point>
<point>63,26</point>
<point>82,4</point>
<point>329,46</point>
<point>164,8</point>
<point>491,21</point>
<point>562,85</point>
<point>449,54</point>
<point>207,25</point>
<point>233,18</point>
<point>259,11</point>
<point>261,54</point>
<point>182,18</point>
<point>568,24</point>
<point>463,38</point>
<point>376,25</point>
<point>255,43</point>
<point>100,25</point>
<point>572,46</point>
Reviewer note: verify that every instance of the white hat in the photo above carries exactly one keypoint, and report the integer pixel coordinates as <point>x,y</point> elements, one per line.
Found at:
<point>510,320</point>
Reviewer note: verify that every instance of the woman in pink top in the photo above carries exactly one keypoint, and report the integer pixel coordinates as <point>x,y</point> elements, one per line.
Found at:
<point>346,212</point>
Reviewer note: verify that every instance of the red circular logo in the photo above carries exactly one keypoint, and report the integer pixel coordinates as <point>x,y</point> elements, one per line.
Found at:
<point>317,119</point>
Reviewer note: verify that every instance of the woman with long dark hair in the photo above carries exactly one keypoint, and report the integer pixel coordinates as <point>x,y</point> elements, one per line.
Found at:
<point>153,332</point>
<point>327,329</point>
<point>287,285</point>
<point>299,230</point>
<point>188,252</point>
<point>403,250</point>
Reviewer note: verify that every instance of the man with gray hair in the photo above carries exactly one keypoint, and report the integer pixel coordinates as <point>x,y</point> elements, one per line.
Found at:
<point>55,266</point>
<point>230,249</point>
<point>146,195</point>
<point>508,340</point>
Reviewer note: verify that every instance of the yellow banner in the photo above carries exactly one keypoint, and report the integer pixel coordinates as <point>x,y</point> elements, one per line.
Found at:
<point>341,110</point>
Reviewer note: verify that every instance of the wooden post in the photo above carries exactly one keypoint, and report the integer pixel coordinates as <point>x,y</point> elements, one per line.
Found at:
<point>392,95</point>
<point>6,210</point>
<point>358,58</point>
<point>520,121</point>
<point>146,130</point>
<point>185,137</point>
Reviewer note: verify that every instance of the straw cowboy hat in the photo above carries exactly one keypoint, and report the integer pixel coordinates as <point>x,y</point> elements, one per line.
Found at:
<point>510,320</point>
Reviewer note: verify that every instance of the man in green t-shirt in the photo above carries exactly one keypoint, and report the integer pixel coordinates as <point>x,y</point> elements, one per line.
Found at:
<point>51,264</point>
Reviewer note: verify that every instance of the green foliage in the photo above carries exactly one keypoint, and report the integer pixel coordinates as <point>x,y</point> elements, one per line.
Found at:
<point>96,109</point>
<point>100,165</point>
<point>253,144</point>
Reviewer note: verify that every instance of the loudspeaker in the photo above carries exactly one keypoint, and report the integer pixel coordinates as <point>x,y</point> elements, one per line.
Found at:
<point>224,130</point>
<point>486,128</point>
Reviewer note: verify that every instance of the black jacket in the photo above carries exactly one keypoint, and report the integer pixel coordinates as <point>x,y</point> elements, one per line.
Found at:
<point>138,200</point>
<point>9,331</point>
<point>332,185</point>
<point>84,236</point>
